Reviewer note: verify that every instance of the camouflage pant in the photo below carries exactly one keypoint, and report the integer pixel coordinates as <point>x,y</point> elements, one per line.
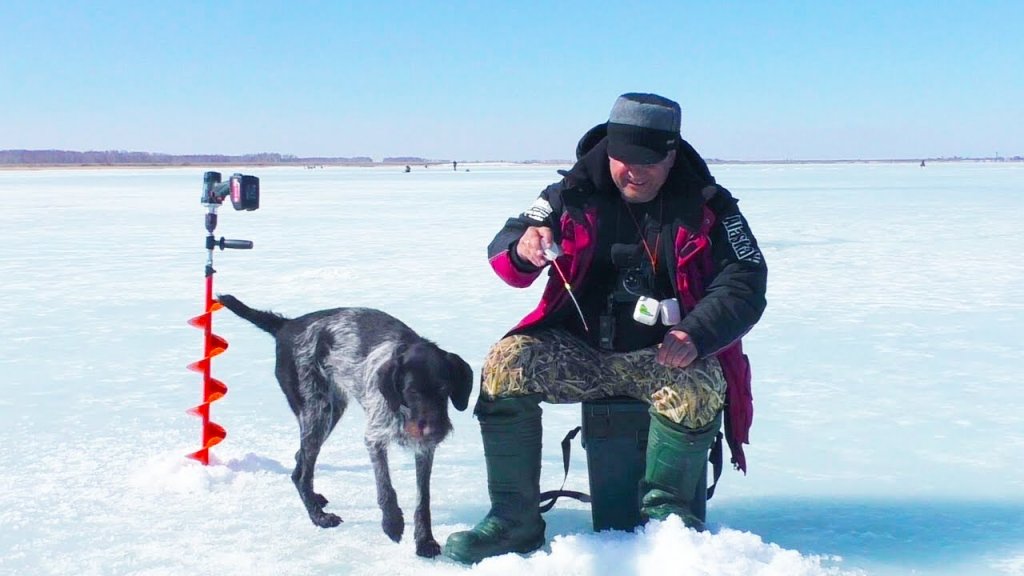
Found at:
<point>564,369</point>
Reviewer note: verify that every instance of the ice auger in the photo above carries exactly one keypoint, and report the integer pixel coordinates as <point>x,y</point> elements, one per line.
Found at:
<point>245,192</point>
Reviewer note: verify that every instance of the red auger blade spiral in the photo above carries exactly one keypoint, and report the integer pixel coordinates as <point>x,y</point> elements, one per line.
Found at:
<point>213,389</point>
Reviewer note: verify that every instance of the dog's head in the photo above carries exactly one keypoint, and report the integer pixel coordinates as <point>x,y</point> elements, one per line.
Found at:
<point>417,383</point>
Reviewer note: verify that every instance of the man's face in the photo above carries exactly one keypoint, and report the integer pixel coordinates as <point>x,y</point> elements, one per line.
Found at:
<point>640,182</point>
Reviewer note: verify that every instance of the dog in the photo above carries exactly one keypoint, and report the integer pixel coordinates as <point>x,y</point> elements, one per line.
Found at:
<point>402,381</point>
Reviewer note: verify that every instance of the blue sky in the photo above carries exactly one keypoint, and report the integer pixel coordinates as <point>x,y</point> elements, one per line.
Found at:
<point>511,80</point>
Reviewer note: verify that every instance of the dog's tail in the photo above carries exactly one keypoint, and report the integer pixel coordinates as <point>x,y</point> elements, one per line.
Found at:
<point>269,321</point>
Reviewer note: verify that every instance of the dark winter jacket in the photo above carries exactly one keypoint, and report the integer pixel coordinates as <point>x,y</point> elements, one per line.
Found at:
<point>716,268</point>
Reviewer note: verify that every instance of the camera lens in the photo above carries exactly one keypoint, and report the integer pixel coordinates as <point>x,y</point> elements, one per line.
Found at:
<point>632,282</point>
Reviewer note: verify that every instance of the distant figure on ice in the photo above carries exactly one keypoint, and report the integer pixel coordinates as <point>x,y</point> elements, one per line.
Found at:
<point>408,168</point>
<point>922,163</point>
<point>657,278</point>
<point>455,166</point>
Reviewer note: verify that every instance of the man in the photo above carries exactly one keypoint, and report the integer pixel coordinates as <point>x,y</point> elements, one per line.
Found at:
<point>654,276</point>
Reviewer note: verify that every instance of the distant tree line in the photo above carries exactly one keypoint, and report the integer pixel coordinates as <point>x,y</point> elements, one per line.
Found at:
<point>406,160</point>
<point>115,157</point>
<point>123,157</point>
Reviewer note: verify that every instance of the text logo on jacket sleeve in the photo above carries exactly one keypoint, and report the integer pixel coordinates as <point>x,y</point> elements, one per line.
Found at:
<point>539,210</point>
<point>739,239</point>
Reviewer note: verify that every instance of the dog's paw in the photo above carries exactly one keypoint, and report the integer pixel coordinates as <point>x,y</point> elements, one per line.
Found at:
<point>326,519</point>
<point>428,548</point>
<point>393,525</point>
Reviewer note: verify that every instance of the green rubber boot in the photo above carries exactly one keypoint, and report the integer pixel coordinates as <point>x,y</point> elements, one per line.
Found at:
<point>676,478</point>
<point>511,430</point>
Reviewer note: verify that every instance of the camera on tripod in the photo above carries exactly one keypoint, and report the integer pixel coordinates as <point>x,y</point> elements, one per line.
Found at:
<point>243,189</point>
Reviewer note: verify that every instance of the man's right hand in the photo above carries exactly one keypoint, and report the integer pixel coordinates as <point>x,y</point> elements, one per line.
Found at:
<point>532,244</point>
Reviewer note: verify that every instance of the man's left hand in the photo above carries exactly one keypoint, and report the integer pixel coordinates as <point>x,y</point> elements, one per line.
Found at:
<point>677,350</point>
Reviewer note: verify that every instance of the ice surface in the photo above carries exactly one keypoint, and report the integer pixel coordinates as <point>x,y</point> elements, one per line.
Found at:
<point>889,427</point>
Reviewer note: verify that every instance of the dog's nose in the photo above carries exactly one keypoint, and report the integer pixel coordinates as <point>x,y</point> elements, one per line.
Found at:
<point>433,430</point>
<point>424,429</point>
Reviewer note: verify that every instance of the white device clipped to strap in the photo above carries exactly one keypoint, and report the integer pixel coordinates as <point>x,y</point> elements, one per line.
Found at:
<point>649,311</point>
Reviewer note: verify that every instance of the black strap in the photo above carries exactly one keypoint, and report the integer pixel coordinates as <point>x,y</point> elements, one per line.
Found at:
<point>554,495</point>
<point>548,499</point>
<point>716,464</point>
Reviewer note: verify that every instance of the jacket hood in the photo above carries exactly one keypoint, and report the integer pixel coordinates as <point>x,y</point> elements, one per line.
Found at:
<point>592,161</point>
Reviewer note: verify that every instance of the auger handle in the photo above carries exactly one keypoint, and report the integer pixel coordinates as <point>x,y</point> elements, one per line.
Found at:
<point>223,243</point>
<point>237,244</point>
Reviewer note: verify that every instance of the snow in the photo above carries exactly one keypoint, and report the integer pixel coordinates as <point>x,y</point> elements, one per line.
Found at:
<point>889,416</point>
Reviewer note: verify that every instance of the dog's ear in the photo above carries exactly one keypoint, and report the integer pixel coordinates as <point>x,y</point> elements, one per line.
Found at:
<point>462,381</point>
<point>389,380</point>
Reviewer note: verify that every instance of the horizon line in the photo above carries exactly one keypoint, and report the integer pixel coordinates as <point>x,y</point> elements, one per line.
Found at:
<point>142,158</point>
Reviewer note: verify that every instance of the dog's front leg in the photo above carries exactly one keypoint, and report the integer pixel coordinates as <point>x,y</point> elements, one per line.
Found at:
<point>426,546</point>
<point>393,523</point>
